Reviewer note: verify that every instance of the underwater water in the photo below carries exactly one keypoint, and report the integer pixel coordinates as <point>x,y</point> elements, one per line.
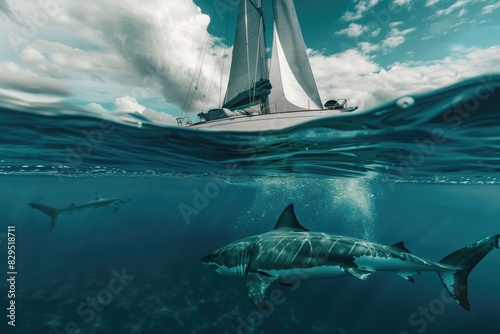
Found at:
<point>422,170</point>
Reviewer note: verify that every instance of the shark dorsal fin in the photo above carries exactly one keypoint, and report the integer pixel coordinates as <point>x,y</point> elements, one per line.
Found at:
<point>98,196</point>
<point>73,204</point>
<point>288,221</point>
<point>401,246</point>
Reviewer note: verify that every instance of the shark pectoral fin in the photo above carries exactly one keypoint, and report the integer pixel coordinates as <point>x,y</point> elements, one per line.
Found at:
<point>358,273</point>
<point>407,276</point>
<point>116,208</point>
<point>257,284</point>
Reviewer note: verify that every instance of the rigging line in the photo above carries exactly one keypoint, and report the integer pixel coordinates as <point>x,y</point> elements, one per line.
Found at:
<point>192,79</point>
<point>204,52</point>
<point>211,81</point>
<point>259,9</point>
<point>248,49</point>
<point>224,56</point>
<point>200,72</point>
<point>257,57</point>
<point>266,58</point>
<point>208,90</point>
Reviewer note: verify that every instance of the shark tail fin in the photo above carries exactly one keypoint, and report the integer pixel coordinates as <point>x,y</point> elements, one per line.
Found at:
<point>465,260</point>
<point>53,213</point>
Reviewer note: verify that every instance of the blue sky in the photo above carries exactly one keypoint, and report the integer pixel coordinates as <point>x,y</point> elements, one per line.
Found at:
<point>111,56</point>
<point>437,25</point>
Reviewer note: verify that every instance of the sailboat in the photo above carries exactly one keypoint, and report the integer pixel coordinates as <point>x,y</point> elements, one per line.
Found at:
<point>263,95</point>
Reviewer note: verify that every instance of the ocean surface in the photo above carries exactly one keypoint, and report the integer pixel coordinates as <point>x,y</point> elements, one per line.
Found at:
<point>422,169</point>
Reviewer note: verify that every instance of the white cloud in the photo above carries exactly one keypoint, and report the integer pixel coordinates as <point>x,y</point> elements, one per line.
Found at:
<point>355,76</point>
<point>107,64</point>
<point>337,75</point>
<point>37,103</point>
<point>4,7</point>
<point>402,2</point>
<point>375,32</point>
<point>21,79</point>
<point>395,24</point>
<point>393,41</point>
<point>160,41</point>
<point>395,38</point>
<point>354,30</point>
<point>97,108</point>
<point>490,8</point>
<point>403,32</point>
<point>129,104</point>
<point>460,4</point>
<point>32,56</point>
<point>367,47</point>
<point>347,65</point>
<point>362,7</point>
<point>460,7</point>
<point>151,46</point>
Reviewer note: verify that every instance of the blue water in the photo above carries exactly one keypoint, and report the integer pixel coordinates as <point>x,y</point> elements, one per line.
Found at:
<point>422,169</point>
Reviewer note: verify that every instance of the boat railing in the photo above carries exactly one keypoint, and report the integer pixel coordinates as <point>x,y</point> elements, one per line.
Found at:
<point>184,121</point>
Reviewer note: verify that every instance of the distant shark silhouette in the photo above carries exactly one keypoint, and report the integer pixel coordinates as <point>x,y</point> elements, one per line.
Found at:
<point>291,251</point>
<point>99,202</point>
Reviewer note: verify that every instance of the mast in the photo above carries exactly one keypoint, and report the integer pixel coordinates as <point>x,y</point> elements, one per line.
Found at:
<point>249,77</point>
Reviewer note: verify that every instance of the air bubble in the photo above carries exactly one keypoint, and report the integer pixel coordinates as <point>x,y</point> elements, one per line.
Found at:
<point>405,102</point>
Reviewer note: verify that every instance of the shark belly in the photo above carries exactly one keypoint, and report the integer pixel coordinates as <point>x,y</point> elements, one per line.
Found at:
<point>230,272</point>
<point>312,273</point>
<point>395,264</point>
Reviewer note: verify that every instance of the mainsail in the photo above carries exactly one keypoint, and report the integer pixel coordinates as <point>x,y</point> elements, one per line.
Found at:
<point>249,78</point>
<point>291,82</point>
<point>294,87</point>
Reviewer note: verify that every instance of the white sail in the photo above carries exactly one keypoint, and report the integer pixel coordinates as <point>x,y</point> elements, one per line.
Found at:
<point>249,78</point>
<point>257,101</point>
<point>294,87</point>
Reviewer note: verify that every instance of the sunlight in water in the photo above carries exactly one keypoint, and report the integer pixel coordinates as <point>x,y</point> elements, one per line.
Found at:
<point>317,203</point>
<point>356,199</point>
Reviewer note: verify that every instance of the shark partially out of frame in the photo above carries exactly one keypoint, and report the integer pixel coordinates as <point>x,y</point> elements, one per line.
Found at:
<point>99,202</point>
<point>291,251</point>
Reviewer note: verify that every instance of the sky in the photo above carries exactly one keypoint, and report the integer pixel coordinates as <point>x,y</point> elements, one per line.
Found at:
<point>163,57</point>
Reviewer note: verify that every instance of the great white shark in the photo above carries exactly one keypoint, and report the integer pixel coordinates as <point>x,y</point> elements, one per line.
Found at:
<point>291,251</point>
<point>99,202</point>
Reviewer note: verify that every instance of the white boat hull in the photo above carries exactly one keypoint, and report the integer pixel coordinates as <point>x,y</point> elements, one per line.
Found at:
<point>266,122</point>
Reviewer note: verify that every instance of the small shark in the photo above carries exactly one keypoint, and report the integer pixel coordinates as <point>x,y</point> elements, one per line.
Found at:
<point>291,251</point>
<point>99,202</point>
